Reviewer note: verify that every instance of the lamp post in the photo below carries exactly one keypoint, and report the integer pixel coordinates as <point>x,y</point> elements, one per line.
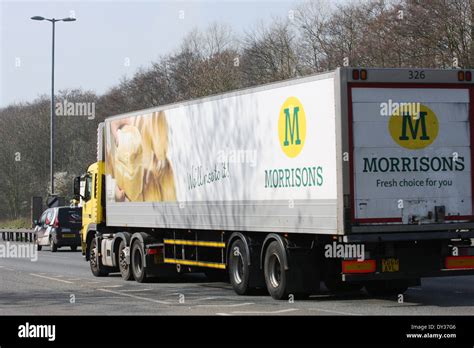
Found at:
<point>51,157</point>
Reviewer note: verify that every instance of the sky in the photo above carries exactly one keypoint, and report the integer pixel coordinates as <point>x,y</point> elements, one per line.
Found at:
<point>109,40</point>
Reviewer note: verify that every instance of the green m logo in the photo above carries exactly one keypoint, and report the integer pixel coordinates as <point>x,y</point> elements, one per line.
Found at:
<point>408,121</point>
<point>292,127</point>
<point>414,132</point>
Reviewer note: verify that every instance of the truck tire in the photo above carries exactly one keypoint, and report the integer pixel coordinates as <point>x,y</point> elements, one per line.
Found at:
<point>276,278</point>
<point>38,247</point>
<point>97,268</point>
<point>125,269</point>
<point>379,288</point>
<point>138,262</point>
<point>239,271</point>
<point>53,245</point>
<point>73,247</point>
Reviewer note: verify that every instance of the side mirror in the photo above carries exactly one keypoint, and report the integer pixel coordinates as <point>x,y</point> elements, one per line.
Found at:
<point>77,188</point>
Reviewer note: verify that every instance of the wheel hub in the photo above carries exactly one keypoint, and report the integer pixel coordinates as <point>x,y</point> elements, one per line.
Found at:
<point>239,270</point>
<point>275,271</point>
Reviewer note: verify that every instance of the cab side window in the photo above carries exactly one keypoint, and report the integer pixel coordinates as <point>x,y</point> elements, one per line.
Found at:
<point>88,189</point>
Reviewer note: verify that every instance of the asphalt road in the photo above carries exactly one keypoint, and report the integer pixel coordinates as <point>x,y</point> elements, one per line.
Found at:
<point>61,283</point>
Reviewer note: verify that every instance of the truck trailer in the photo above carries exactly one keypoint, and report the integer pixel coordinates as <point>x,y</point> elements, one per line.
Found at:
<point>357,177</point>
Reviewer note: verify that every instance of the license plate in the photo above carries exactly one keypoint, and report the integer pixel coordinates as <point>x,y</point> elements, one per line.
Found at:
<point>390,265</point>
<point>68,235</point>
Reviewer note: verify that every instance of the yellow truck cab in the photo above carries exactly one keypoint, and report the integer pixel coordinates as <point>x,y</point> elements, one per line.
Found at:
<point>89,189</point>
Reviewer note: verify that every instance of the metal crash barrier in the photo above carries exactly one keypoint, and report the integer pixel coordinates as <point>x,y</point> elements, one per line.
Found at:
<point>19,235</point>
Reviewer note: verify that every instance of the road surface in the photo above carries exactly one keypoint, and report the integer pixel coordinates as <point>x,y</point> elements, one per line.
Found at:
<point>61,284</point>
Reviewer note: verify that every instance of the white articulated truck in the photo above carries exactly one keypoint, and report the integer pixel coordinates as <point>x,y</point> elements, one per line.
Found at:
<point>355,177</point>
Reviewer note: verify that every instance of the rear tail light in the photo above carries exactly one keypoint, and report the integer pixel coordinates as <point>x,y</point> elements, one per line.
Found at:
<point>153,251</point>
<point>354,266</point>
<point>56,222</point>
<point>355,74</point>
<point>459,262</point>
<point>464,75</point>
<point>359,74</point>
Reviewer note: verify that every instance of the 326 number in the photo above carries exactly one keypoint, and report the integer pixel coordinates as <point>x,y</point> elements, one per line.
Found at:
<point>416,74</point>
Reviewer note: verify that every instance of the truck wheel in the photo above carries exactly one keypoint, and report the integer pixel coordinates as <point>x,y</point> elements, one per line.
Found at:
<point>74,247</point>
<point>239,272</point>
<point>379,288</point>
<point>276,277</point>
<point>53,245</point>
<point>138,262</point>
<point>38,247</point>
<point>125,268</point>
<point>96,267</point>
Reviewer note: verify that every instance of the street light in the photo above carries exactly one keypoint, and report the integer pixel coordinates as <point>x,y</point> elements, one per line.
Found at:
<point>51,158</point>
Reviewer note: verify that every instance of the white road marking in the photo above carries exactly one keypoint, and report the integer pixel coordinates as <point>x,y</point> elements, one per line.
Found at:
<point>135,290</point>
<point>51,278</point>
<point>206,298</point>
<point>331,311</point>
<point>111,286</point>
<point>133,296</point>
<point>54,257</point>
<point>270,312</point>
<point>226,305</point>
<point>8,269</point>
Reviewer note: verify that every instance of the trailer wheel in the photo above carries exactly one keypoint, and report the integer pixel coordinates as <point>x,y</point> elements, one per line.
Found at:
<point>138,262</point>
<point>97,268</point>
<point>276,278</point>
<point>239,271</point>
<point>125,268</point>
<point>379,288</point>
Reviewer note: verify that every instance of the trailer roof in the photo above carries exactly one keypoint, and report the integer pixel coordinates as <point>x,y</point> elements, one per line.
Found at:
<point>374,75</point>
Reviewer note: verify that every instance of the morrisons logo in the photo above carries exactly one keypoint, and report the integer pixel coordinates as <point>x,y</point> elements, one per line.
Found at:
<point>292,127</point>
<point>407,123</point>
<point>414,131</point>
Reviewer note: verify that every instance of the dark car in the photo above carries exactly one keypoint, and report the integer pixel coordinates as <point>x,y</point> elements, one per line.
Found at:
<point>59,227</point>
